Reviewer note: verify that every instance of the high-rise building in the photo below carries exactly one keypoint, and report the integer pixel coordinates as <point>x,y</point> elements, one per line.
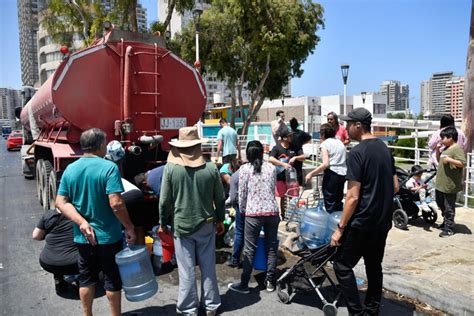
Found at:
<point>454,96</point>
<point>425,99</point>
<point>213,85</point>
<point>49,55</point>
<point>28,27</point>
<point>9,100</point>
<point>397,95</point>
<point>438,92</point>
<point>141,18</point>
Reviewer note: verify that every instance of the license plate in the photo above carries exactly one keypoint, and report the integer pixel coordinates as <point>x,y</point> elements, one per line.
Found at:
<point>172,122</point>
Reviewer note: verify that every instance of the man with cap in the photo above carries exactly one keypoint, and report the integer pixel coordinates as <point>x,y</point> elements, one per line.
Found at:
<point>367,215</point>
<point>192,203</point>
<point>284,156</point>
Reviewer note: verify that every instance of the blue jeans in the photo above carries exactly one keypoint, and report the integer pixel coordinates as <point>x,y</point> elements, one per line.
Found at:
<point>238,236</point>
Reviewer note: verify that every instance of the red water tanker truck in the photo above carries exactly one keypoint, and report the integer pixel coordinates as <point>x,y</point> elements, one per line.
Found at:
<point>127,84</point>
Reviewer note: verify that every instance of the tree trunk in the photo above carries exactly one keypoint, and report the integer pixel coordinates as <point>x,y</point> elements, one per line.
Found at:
<point>254,105</point>
<point>233,104</point>
<point>132,15</point>
<point>243,115</point>
<point>171,5</point>
<point>468,108</point>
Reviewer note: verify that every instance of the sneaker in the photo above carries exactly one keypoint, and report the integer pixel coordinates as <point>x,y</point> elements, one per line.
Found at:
<point>211,312</point>
<point>232,264</point>
<point>239,288</point>
<point>446,233</point>
<point>270,286</point>
<point>440,226</point>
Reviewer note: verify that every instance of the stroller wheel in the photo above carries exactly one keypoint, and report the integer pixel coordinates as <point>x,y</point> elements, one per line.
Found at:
<point>283,297</point>
<point>400,219</point>
<point>329,309</point>
<point>284,292</point>
<point>430,216</point>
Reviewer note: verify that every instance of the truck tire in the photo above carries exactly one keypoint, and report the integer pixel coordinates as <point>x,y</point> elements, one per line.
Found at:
<point>46,173</point>
<point>52,188</point>
<point>39,179</point>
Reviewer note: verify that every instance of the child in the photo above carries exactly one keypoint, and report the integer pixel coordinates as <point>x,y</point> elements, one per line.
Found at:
<point>415,184</point>
<point>449,177</point>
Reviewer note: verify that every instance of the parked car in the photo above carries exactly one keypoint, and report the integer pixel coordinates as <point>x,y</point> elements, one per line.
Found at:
<point>14,140</point>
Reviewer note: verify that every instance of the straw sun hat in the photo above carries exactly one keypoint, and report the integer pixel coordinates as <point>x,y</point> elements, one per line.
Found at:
<point>186,151</point>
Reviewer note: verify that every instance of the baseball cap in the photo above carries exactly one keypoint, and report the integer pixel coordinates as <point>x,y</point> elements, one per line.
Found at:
<point>285,133</point>
<point>358,115</point>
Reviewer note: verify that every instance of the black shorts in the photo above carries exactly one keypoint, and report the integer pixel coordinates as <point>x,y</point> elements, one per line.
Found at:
<point>144,214</point>
<point>93,259</point>
<point>66,269</point>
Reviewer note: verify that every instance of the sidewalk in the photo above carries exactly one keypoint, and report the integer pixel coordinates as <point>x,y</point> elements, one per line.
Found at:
<point>437,271</point>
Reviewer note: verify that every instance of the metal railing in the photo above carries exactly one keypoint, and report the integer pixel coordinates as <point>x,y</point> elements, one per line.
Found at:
<point>211,146</point>
<point>469,183</point>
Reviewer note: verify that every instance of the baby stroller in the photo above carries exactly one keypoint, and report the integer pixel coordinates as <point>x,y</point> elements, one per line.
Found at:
<point>405,202</point>
<point>313,277</point>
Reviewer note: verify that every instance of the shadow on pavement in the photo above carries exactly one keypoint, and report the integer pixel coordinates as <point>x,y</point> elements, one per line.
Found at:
<point>232,301</point>
<point>169,309</point>
<point>462,229</point>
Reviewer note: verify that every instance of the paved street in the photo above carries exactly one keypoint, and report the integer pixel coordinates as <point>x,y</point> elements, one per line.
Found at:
<point>25,289</point>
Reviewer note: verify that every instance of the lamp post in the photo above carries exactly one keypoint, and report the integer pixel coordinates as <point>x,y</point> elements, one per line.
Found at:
<point>364,95</point>
<point>345,73</point>
<point>197,11</point>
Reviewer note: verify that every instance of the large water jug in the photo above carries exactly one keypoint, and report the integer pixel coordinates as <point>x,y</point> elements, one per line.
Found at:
<point>292,182</point>
<point>333,220</point>
<point>138,280</point>
<point>313,226</point>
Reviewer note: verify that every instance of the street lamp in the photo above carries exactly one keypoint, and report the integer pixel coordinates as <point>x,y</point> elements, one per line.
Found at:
<point>197,11</point>
<point>345,73</point>
<point>364,95</point>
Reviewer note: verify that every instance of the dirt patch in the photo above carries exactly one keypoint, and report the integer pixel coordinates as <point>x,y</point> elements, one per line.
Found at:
<point>420,307</point>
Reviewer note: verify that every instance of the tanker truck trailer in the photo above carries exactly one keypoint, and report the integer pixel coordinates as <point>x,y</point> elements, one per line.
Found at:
<point>127,84</point>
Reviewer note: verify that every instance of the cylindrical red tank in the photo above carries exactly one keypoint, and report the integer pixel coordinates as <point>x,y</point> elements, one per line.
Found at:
<point>128,86</point>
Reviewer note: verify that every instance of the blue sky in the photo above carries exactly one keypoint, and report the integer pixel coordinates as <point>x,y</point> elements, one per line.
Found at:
<point>405,40</point>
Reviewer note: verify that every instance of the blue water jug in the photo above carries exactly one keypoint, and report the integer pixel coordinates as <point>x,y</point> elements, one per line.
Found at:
<point>333,220</point>
<point>136,272</point>
<point>260,259</point>
<point>313,226</point>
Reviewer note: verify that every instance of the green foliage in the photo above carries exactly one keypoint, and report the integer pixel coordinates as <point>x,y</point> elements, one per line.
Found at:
<point>64,18</point>
<point>410,142</point>
<point>261,43</point>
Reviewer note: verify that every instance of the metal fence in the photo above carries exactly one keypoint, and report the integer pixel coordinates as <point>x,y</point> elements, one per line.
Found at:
<point>469,183</point>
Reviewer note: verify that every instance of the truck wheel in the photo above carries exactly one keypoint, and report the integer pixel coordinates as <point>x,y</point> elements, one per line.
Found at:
<point>39,179</point>
<point>52,188</point>
<point>46,173</point>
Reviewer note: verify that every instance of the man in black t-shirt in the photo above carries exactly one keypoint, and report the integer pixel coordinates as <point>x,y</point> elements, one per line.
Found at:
<point>298,139</point>
<point>284,156</point>
<point>367,214</point>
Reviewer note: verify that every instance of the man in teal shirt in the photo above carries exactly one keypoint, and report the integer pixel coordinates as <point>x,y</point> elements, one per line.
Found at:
<point>228,142</point>
<point>192,203</point>
<point>89,195</point>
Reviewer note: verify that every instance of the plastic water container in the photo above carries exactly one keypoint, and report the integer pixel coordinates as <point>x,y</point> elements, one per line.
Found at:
<point>313,227</point>
<point>292,184</point>
<point>333,220</point>
<point>138,280</point>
